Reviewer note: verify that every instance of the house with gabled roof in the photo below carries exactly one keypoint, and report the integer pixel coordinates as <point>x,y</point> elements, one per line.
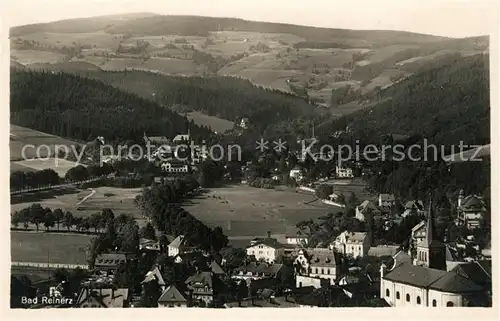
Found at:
<point>154,275</point>
<point>111,261</point>
<point>470,210</point>
<point>171,297</point>
<point>256,270</point>
<point>365,208</point>
<point>356,244</point>
<point>317,263</point>
<point>201,287</point>
<point>267,249</point>
<point>179,246</point>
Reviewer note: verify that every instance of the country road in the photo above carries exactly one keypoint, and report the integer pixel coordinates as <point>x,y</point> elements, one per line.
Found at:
<point>49,265</point>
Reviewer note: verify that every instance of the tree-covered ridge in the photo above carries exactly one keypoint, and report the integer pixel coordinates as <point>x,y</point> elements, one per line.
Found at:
<point>77,107</point>
<point>225,97</point>
<point>447,104</point>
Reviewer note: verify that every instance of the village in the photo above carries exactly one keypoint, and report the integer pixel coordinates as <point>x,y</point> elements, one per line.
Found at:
<point>371,250</point>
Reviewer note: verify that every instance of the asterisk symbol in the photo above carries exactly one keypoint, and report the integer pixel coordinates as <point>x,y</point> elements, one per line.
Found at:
<point>280,145</point>
<point>262,145</point>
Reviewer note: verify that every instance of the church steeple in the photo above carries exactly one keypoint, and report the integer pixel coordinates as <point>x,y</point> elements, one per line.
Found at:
<point>431,252</point>
<point>430,235</point>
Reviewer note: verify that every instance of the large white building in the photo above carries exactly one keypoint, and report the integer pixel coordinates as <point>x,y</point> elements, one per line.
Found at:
<point>317,263</point>
<point>266,250</point>
<point>356,244</point>
<point>425,281</point>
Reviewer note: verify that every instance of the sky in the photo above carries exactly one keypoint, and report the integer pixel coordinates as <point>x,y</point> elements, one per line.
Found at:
<point>452,18</point>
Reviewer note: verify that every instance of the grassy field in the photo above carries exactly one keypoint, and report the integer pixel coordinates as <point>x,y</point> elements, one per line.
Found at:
<point>120,200</point>
<point>44,247</point>
<point>27,57</point>
<point>21,137</point>
<point>247,211</point>
<point>60,166</point>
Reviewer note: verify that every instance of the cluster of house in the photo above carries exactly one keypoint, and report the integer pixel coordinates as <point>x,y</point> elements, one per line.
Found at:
<point>471,210</point>
<point>429,277</point>
<point>176,155</point>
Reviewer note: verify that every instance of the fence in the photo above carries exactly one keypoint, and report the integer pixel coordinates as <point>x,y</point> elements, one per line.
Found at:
<point>49,187</point>
<point>49,265</point>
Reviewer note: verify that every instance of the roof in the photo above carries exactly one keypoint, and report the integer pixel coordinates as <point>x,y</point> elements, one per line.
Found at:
<point>473,203</point>
<point>418,226</point>
<point>260,267</point>
<point>478,272</point>
<point>351,237</point>
<point>455,283</point>
<point>414,275</point>
<point>321,257</point>
<point>110,259</point>
<point>182,137</point>
<point>366,206</point>
<point>154,274</point>
<point>414,205</point>
<point>172,295</point>
<point>200,280</point>
<point>383,250</point>
<point>177,242</point>
<point>107,298</point>
<point>387,197</point>
<point>271,242</point>
<point>216,268</point>
<point>401,258</point>
<point>431,278</point>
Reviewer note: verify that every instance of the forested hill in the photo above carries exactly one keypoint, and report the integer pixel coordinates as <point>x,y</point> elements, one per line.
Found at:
<point>224,97</point>
<point>75,107</point>
<point>446,105</point>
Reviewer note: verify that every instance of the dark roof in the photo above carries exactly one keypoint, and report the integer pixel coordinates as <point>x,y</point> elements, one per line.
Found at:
<point>172,295</point>
<point>199,280</point>
<point>216,268</point>
<point>271,242</point>
<point>424,277</point>
<point>321,257</point>
<point>477,272</point>
<point>260,267</point>
<point>473,203</point>
<point>455,283</point>
<point>414,275</point>
<point>110,259</point>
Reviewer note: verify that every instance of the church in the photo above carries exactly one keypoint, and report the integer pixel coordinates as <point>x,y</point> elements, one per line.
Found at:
<point>424,281</point>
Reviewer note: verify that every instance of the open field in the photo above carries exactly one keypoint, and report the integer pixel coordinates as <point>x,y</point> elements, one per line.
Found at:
<point>53,248</point>
<point>120,200</point>
<point>27,57</point>
<point>22,137</point>
<point>60,166</point>
<point>246,211</point>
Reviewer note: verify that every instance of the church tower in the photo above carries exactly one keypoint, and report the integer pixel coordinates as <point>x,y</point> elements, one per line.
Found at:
<point>430,251</point>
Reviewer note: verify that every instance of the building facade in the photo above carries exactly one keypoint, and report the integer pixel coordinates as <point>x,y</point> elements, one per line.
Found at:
<point>356,244</point>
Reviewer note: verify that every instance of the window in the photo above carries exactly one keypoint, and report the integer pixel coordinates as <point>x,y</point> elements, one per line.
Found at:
<point>434,303</point>
<point>328,271</point>
<point>322,271</point>
<point>387,292</point>
<point>449,304</point>
<point>316,270</point>
<point>418,300</point>
<point>300,284</point>
<point>397,295</point>
<point>407,298</point>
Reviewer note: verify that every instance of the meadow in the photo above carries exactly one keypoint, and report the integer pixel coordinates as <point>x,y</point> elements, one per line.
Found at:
<point>243,211</point>
<point>48,247</point>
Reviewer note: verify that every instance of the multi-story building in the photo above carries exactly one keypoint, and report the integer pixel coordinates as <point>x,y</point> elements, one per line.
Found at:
<point>266,250</point>
<point>317,263</point>
<point>471,210</point>
<point>356,244</point>
<point>343,172</point>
